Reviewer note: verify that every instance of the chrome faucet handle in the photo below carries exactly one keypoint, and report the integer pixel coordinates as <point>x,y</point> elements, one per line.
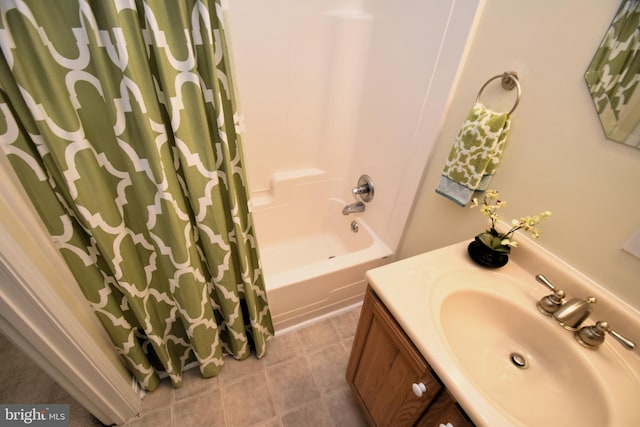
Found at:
<point>593,336</point>
<point>540,278</point>
<point>364,190</point>
<point>551,303</point>
<point>360,189</point>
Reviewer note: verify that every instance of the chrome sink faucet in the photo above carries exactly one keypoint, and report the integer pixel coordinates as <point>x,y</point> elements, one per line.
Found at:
<point>572,313</point>
<point>569,314</point>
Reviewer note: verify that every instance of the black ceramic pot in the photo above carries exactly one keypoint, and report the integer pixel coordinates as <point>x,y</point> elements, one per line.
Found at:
<point>485,256</point>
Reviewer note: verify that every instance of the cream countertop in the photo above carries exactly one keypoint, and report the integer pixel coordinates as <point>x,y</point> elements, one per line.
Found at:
<point>408,288</point>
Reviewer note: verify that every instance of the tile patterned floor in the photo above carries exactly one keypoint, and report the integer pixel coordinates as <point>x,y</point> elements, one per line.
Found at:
<point>300,382</point>
<point>23,381</point>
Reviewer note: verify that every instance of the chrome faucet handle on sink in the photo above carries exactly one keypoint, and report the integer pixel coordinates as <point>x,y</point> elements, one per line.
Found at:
<point>551,303</point>
<point>593,336</point>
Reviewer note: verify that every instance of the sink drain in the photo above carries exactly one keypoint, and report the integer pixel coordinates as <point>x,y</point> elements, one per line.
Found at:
<point>519,360</point>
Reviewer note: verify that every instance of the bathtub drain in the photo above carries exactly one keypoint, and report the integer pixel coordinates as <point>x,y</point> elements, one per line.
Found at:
<point>354,226</point>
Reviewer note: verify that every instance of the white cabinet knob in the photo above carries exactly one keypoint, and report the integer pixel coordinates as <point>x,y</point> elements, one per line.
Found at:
<point>418,389</point>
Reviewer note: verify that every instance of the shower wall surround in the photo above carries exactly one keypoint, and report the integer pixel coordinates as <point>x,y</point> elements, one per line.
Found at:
<point>343,88</point>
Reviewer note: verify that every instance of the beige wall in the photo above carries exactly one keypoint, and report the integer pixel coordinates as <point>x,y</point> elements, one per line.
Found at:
<point>557,158</point>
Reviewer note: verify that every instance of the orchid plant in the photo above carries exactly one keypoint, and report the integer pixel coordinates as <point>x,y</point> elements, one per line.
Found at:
<point>503,242</point>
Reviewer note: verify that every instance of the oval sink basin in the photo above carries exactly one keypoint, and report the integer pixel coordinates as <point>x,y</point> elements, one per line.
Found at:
<point>521,362</point>
<point>476,326</point>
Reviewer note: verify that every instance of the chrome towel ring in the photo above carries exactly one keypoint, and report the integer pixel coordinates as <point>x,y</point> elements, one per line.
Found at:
<point>509,81</point>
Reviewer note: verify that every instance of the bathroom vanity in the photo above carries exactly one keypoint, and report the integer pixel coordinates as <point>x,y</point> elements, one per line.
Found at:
<point>391,379</point>
<point>443,341</point>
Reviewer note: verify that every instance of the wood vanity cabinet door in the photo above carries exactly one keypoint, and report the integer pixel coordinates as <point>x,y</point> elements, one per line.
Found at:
<point>444,411</point>
<point>383,366</point>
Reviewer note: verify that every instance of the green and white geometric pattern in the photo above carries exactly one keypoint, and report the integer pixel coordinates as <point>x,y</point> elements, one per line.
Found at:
<point>119,118</point>
<point>613,76</point>
<point>475,154</point>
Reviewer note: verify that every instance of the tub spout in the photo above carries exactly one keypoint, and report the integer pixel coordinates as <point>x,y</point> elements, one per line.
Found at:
<point>353,208</point>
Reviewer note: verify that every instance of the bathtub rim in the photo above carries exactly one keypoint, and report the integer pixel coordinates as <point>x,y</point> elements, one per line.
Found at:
<point>376,250</point>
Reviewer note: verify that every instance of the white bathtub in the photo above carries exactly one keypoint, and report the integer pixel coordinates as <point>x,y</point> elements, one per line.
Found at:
<point>313,262</point>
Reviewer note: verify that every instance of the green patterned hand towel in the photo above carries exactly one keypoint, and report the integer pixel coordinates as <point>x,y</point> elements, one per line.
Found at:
<point>475,154</point>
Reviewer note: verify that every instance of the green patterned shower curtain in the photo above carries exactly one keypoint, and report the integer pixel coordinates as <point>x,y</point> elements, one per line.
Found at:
<point>119,118</point>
